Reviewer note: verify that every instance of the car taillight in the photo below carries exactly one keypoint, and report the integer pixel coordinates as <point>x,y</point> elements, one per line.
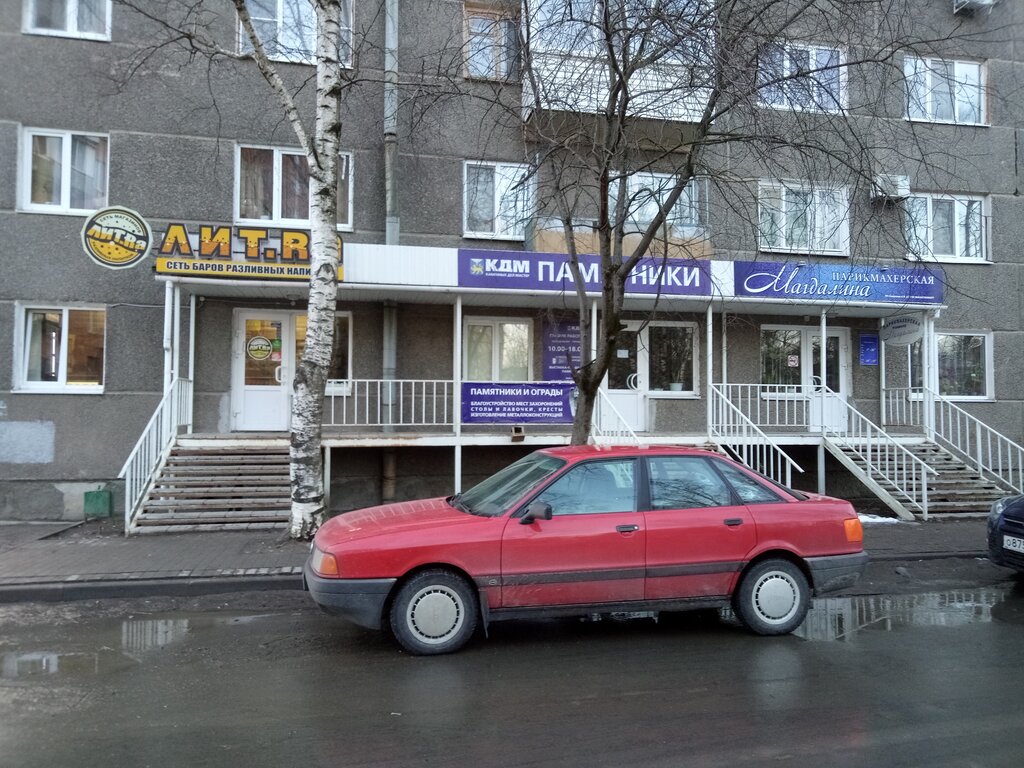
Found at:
<point>854,530</point>
<point>324,564</point>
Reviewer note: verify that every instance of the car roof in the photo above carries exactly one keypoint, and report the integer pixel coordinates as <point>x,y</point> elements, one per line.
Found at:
<point>578,452</point>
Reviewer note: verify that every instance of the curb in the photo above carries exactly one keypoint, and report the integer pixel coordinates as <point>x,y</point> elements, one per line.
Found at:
<point>55,592</point>
<point>901,556</point>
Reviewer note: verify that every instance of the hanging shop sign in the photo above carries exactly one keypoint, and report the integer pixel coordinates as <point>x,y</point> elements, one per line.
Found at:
<point>901,331</point>
<point>842,283</point>
<point>235,253</point>
<point>516,403</point>
<point>116,237</point>
<point>527,271</point>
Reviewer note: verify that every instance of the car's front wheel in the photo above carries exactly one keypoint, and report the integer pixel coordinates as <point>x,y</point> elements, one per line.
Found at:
<point>434,612</point>
<point>773,597</point>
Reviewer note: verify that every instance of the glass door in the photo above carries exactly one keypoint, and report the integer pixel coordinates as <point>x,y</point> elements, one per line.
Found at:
<point>626,382</point>
<point>828,408</point>
<point>264,365</point>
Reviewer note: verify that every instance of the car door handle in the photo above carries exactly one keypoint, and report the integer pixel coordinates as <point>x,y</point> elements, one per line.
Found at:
<point>733,521</point>
<point>627,528</point>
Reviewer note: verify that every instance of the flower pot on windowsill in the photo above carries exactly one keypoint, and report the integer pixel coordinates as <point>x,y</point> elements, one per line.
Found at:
<point>675,387</point>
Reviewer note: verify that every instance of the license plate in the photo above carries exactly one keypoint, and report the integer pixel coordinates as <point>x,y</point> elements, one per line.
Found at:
<point>1012,542</point>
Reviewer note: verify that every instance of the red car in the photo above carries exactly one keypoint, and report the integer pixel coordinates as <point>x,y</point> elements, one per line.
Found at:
<point>583,530</point>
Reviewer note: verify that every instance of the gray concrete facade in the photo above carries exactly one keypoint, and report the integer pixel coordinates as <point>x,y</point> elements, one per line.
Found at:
<point>173,129</point>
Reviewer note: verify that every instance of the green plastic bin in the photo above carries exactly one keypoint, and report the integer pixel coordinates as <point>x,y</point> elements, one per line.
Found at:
<point>98,504</point>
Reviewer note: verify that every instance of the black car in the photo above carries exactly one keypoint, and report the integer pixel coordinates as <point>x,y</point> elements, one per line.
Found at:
<point>1006,532</point>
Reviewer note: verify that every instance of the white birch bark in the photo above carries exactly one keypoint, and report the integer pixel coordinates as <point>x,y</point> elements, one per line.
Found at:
<point>322,148</point>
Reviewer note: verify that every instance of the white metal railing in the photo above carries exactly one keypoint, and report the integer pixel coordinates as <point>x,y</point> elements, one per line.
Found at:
<point>882,457</point>
<point>773,406</point>
<point>143,463</point>
<point>987,451</point>
<point>608,425</point>
<point>904,407</point>
<point>389,403</point>
<point>732,429</point>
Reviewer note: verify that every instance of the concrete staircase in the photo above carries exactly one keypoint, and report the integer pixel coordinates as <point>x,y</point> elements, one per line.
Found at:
<point>957,490</point>
<point>216,485</point>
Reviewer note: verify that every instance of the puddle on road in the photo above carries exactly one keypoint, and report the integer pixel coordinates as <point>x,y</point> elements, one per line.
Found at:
<point>137,638</point>
<point>841,618</point>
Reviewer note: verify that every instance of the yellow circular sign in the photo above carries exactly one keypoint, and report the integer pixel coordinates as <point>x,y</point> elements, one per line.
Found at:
<point>116,237</point>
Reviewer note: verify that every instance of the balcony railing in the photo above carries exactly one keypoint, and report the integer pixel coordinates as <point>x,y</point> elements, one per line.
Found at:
<point>396,403</point>
<point>731,428</point>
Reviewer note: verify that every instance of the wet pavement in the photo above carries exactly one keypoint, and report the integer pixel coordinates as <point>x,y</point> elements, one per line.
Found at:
<point>932,678</point>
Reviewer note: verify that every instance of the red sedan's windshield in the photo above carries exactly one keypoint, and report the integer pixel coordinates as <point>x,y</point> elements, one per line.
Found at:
<point>498,492</point>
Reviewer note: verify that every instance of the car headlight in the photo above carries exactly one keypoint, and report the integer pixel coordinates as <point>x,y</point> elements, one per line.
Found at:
<point>996,512</point>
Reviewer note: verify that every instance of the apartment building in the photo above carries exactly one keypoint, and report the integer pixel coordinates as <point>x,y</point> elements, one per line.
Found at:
<point>846,330</point>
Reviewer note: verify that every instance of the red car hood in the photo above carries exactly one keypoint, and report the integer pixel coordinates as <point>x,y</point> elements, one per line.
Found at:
<point>390,519</point>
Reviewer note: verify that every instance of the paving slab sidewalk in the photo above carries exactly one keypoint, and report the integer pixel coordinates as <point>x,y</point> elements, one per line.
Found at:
<point>40,562</point>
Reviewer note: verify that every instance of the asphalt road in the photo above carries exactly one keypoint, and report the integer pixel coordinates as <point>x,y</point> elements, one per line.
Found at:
<point>912,679</point>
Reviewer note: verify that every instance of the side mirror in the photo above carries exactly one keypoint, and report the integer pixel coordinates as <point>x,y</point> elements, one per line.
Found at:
<point>537,510</point>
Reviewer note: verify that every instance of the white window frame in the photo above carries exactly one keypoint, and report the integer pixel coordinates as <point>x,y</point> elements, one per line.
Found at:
<point>644,358</point>
<point>960,251</point>
<point>345,41</point>
<point>276,219</point>
<point>505,62</point>
<point>71,21</point>
<point>818,231</point>
<point>929,69</point>
<point>660,184</point>
<point>503,230</point>
<point>22,346</point>
<point>495,325</point>
<point>933,379</point>
<point>791,80</point>
<point>63,207</point>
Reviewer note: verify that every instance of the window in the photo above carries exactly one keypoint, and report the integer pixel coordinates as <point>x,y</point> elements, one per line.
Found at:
<point>562,25</point>
<point>749,490</point>
<point>492,44</point>
<point>945,227</point>
<point>803,219</point>
<point>68,18</point>
<point>647,191</point>
<point>287,29</point>
<point>64,172</point>
<point>273,185</point>
<point>498,350</point>
<point>964,361</point>
<point>62,349</point>
<point>498,200</point>
<point>945,91</point>
<point>670,357</point>
<point>800,77</point>
<point>686,482</point>
<point>791,359</point>
<point>593,488</point>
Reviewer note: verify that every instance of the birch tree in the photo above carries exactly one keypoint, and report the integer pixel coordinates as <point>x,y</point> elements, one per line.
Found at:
<point>187,25</point>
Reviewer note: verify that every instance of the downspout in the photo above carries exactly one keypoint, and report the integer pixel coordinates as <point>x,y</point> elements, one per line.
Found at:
<point>709,368</point>
<point>457,390</point>
<point>391,229</point>
<point>824,378</point>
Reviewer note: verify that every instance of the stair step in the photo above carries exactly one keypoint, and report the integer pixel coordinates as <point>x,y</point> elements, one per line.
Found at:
<point>222,480</point>
<point>221,492</point>
<point>219,504</point>
<point>255,516</point>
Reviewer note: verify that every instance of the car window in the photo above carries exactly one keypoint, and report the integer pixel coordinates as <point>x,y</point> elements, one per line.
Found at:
<point>749,490</point>
<point>686,482</point>
<point>593,488</point>
<point>494,495</point>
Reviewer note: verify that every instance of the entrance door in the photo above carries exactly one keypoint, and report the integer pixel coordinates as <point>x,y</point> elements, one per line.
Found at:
<point>828,409</point>
<point>626,381</point>
<point>264,363</point>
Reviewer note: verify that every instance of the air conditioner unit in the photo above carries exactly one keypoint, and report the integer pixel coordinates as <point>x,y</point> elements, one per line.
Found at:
<point>970,6</point>
<point>890,188</point>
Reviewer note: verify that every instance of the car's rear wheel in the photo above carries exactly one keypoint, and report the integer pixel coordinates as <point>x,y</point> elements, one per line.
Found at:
<point>773,598</point>
<point>434,612</point>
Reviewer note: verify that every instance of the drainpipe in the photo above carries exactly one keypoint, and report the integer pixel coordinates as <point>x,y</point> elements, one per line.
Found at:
<point>391,227</point>
<point>391,221</point>
<point>457,390</point>
<point>709,365</point>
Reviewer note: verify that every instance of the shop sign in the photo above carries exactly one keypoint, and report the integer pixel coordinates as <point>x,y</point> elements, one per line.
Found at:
<point>561,344</point>
<point>516,403</point>
<point>235,253</point>
<point>259,348</point>
<point>116,237</point>
<point>903,330</point>
<point>527,271</point>
<point>782,280</point>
